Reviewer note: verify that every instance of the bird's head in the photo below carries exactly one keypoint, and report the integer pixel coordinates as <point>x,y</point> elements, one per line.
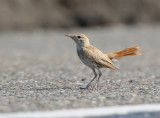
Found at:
<point>80,39</point>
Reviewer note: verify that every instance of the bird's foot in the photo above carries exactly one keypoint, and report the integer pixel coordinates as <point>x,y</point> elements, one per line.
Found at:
<point>83,88</point>
<point>95,87</point>
<point>89,87</point>
<point>86,86</point>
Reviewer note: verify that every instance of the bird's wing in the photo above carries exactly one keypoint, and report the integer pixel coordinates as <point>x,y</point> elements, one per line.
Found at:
<point>95,55</point>
<point>107,59</point>
<point>107,65</point>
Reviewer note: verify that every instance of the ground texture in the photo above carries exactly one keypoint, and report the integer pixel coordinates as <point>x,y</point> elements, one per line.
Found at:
<point>40,70</point>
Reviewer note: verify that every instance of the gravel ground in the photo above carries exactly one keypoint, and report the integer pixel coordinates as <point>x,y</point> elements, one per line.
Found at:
<point>40,70</point>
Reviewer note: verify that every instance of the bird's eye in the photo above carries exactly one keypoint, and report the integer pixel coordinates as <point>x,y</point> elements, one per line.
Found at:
<point>79,37</point>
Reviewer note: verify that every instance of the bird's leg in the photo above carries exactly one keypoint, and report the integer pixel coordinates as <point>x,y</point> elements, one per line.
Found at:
<point>95,75</point>
<point>89,84</point>
<point>100,74</point>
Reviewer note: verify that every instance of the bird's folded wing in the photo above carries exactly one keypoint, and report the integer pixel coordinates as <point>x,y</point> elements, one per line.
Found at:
<point>107,65</point>
<point>107,59</point>
<point>92,53</point>
<point>95,55</point>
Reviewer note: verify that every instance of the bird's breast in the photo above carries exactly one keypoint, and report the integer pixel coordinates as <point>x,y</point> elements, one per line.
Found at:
<point>87,61</point>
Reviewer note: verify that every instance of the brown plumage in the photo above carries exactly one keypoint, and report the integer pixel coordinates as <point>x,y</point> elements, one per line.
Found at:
<point>95,59</point>
<point>131,51</point>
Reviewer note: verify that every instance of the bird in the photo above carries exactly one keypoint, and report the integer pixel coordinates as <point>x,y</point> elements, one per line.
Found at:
<point>96,59</point>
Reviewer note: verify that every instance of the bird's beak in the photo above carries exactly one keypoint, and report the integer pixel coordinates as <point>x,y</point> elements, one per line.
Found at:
<point>71,36</point>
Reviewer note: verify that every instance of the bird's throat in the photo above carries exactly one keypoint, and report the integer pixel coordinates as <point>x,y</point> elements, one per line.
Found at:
<point>79,48</point>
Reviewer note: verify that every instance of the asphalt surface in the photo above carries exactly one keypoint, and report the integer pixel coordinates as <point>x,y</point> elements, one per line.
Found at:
<point>40,70</point>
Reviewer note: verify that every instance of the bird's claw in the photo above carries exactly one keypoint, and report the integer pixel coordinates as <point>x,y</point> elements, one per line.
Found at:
<point>89,87</point>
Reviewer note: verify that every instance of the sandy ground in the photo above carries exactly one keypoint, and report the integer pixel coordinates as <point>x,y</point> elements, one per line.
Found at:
<point>40,70</point>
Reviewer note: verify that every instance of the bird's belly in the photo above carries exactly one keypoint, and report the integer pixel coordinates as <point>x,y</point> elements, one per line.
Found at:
<point>87,61</point>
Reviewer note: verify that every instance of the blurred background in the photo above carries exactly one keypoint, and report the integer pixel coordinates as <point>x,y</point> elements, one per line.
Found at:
<point>39,67</point>
<point>46,14</point>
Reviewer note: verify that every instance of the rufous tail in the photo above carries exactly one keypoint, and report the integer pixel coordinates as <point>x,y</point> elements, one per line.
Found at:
<point>131,51</point>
